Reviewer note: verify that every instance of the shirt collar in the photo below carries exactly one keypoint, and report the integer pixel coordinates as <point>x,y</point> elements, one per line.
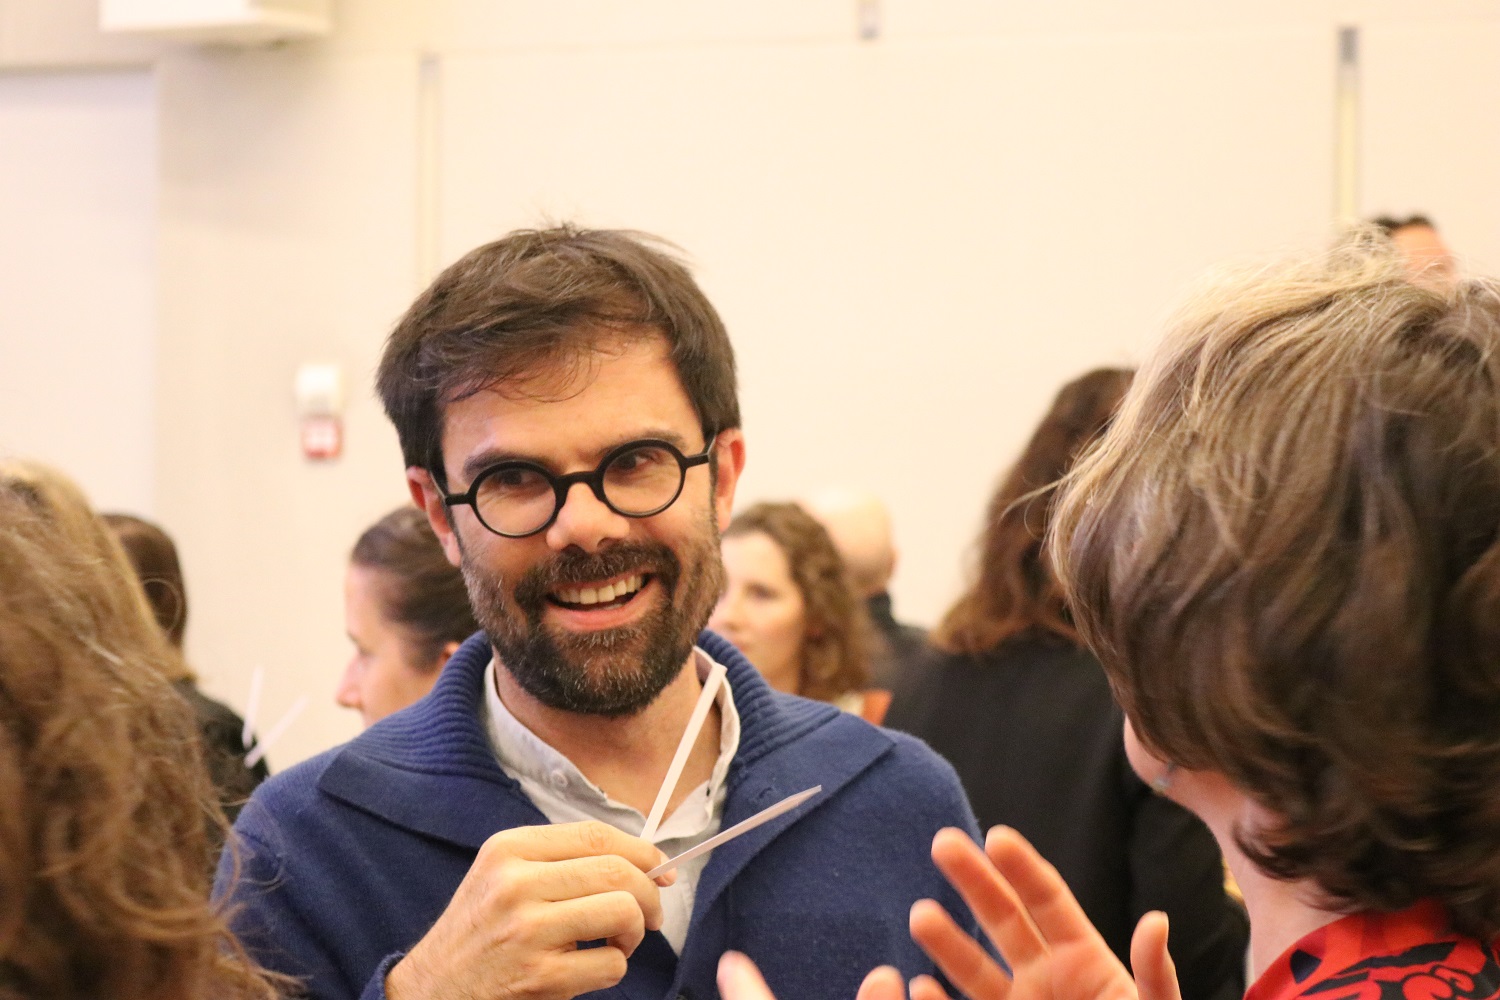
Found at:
<point>524,755</point>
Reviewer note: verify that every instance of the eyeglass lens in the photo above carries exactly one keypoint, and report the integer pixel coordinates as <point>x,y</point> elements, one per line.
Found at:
<point>519,499</point>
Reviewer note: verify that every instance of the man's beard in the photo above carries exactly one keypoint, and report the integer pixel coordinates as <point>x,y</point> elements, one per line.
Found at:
<point>610,672</point>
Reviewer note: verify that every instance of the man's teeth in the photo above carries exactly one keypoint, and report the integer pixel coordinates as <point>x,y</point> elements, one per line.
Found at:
<point>599,595</point>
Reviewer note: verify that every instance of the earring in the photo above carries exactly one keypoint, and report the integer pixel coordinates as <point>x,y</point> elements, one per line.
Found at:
<point>1163,781</point>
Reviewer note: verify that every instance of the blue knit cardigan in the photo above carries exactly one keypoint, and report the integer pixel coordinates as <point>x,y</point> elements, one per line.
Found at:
<point>347,859</point>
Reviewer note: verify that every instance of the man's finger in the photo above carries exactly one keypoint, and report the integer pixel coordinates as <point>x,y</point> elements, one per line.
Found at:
<point>966,964</point>
<point>566,841</point>
<point>994,903</point>
<point>883,983</point>
<point>580,877</point>
<point>1040,889</point>
<point>739,979</point>
<point>584,971</point>
<point>1151,964</point>
<point>610,916</point>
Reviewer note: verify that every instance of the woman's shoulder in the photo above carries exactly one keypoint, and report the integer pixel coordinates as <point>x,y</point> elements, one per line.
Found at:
<point>1383,954</point>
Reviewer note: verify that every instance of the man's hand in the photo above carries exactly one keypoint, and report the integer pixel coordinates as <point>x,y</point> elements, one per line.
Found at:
<point>1025,908</point>
<point>513,926</point>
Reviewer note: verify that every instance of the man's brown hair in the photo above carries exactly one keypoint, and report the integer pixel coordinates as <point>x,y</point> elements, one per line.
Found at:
<point>837,633</point>
<point>1014,591</point>
<point>1285,554</point>
<point>540,297</point>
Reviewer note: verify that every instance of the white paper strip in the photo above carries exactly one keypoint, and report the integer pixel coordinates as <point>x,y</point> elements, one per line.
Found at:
<point>684,750</point>
<point>252,708</point>
<point>744,826</point>
<point>282,724</point>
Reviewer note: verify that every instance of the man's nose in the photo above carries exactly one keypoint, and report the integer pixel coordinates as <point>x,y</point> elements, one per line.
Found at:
<point>585,521</point>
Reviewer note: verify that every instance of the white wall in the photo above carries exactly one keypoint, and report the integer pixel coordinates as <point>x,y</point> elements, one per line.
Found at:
<point>914,240</point>
<point>914,243</point>
<point>1431,101</point>
<point>78,158</point>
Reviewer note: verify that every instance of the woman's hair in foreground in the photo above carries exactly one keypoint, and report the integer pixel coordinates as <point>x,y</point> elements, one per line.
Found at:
<point>837,634</point>
<point>1286,553</point>
<point>419,589</point>
<point>1014,590</point>
<point>103,882</point>
<point>154,556</point>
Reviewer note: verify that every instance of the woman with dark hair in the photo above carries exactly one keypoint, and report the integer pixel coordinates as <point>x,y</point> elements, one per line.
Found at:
<point>406,611</point>
<point>153,555</point>
<point>103,840</point>
<point>1025,715</point>
<point>790,608</point>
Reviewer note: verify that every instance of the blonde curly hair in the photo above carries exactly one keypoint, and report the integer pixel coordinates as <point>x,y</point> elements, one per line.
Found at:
<point>104,847</point>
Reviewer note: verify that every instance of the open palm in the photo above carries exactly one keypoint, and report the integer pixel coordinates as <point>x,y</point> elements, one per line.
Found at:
<point>1025,908</point>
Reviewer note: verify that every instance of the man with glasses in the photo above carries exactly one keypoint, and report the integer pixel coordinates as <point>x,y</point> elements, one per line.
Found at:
<point>566,405</point>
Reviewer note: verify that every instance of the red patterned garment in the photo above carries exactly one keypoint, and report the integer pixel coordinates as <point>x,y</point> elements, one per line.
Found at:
<point>1410,955</point>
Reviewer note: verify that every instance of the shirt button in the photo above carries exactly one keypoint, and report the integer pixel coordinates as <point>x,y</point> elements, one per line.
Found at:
<point>558,780</point>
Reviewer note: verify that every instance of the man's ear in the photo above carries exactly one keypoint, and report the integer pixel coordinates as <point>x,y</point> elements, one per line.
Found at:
<point>729,446</point>
<point>426,495</point>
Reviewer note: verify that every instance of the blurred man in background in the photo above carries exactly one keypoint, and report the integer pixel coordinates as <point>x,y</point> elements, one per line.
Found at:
<point>860,525</point>
<point>1427,255</point>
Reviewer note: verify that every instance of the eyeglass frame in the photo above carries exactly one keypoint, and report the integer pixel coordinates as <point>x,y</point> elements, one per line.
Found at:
<point>593,478</point>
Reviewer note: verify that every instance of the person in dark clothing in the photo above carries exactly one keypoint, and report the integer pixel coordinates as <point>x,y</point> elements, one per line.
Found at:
<point>154,557</point>
<point>1025,714</point>
<point>903,644</point>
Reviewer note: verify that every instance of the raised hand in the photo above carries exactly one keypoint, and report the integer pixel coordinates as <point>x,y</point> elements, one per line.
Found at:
<point>1025,908</point>
<point>513,926</point>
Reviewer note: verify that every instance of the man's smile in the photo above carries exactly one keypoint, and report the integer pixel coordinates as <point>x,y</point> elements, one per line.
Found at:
<point>614,592</point>
<point>608,603</point>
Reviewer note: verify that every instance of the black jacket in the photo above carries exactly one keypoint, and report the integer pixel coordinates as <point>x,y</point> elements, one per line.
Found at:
<point>223,752</point>
<point>1035,736</point>
<point>900,645</point>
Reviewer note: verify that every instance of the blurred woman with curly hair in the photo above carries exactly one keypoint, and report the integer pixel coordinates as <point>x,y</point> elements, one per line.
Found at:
<point>790,608</point>
<point>104,847</point>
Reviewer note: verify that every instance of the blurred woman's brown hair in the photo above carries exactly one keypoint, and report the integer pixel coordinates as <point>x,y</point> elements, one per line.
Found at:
<point>421,591</point>
<point>836,645</point>
<point>103,882</point>
<point>1286,554</point>
<point>1014,590</point>
<point>154,555</point>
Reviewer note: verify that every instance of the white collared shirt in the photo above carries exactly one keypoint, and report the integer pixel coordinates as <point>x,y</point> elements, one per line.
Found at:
<point>564,795</point>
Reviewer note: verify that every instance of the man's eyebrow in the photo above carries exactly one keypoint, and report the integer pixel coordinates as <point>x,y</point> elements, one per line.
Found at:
<point>488,457</point>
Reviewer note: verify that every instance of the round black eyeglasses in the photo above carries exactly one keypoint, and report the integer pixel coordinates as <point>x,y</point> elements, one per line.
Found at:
<point>637,479</point>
